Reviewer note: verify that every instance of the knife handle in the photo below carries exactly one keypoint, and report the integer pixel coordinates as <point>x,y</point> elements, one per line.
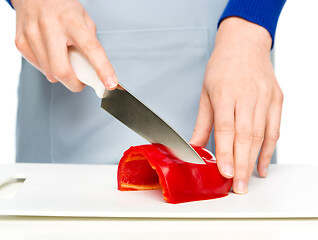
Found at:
<point>85,71</point>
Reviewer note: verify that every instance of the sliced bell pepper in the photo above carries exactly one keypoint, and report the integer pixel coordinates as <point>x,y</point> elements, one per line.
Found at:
<point>149,167</point>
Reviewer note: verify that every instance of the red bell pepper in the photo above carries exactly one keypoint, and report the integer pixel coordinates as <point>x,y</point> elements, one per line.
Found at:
<point>148,167</point>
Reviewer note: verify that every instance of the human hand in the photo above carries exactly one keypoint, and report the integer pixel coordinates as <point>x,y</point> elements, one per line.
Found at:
<point>242,99</point>
<point>45,30</point>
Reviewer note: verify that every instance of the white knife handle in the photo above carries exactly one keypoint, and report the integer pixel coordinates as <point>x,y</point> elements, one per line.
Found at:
<point>85,71</point>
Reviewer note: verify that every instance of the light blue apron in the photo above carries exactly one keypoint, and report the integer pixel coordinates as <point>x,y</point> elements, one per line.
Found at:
<point>159,50</point>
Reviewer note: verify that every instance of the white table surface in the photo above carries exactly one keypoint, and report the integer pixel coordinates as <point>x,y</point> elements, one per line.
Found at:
<point>28,227</point>
<point>47,228</point>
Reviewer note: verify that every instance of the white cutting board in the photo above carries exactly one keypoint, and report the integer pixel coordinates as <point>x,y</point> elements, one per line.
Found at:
<point>91,191</point>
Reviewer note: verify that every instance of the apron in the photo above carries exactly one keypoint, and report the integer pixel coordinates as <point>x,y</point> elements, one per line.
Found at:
<point>159,50</point>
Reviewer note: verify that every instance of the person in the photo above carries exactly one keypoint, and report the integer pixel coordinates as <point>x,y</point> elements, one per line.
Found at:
<point>179,57</point>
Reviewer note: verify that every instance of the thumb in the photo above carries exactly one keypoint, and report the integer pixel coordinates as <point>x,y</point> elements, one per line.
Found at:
<point>203,127</point>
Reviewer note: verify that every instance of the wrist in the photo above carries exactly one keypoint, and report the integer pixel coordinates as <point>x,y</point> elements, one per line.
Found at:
<point>239,33</point>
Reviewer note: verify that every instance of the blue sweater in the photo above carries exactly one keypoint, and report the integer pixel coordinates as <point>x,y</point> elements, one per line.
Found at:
<point>262,12</point>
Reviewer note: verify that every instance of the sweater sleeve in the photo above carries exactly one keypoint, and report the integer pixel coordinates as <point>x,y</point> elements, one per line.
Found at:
<point>262,12</point>
<point>9,1</point>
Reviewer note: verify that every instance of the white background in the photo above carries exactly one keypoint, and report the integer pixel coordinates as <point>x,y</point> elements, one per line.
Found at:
<point>296,65</point>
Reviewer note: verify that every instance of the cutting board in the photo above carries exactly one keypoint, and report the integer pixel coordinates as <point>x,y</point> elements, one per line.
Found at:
<point>289,191</point>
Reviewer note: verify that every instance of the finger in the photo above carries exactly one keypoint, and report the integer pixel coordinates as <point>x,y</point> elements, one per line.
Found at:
<point>204,123</point>
<point>35,41</point>
<point>244,112</point>
<point>224,135</point>
<point>89,45</point>
<point>23,45</point>
<point>90,24</point>
<point>59,63</point>
<point>271,137</point>
<point>26,51</point>
<point>62,70</point>
<point>258,132</point>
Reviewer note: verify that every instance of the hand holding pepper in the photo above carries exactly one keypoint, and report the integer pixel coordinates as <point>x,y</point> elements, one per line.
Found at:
<point>241,98</point>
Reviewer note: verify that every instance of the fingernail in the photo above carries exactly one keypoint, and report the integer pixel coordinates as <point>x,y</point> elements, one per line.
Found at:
<point>265,171</point>
<point>111,82</point>
<point>241,187</point>
<point>228,170</point>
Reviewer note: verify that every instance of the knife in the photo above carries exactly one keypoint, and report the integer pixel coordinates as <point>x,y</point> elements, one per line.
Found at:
<point>122,105</point>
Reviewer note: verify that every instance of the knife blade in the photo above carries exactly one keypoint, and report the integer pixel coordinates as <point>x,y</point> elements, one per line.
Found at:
<point>126,108</point>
